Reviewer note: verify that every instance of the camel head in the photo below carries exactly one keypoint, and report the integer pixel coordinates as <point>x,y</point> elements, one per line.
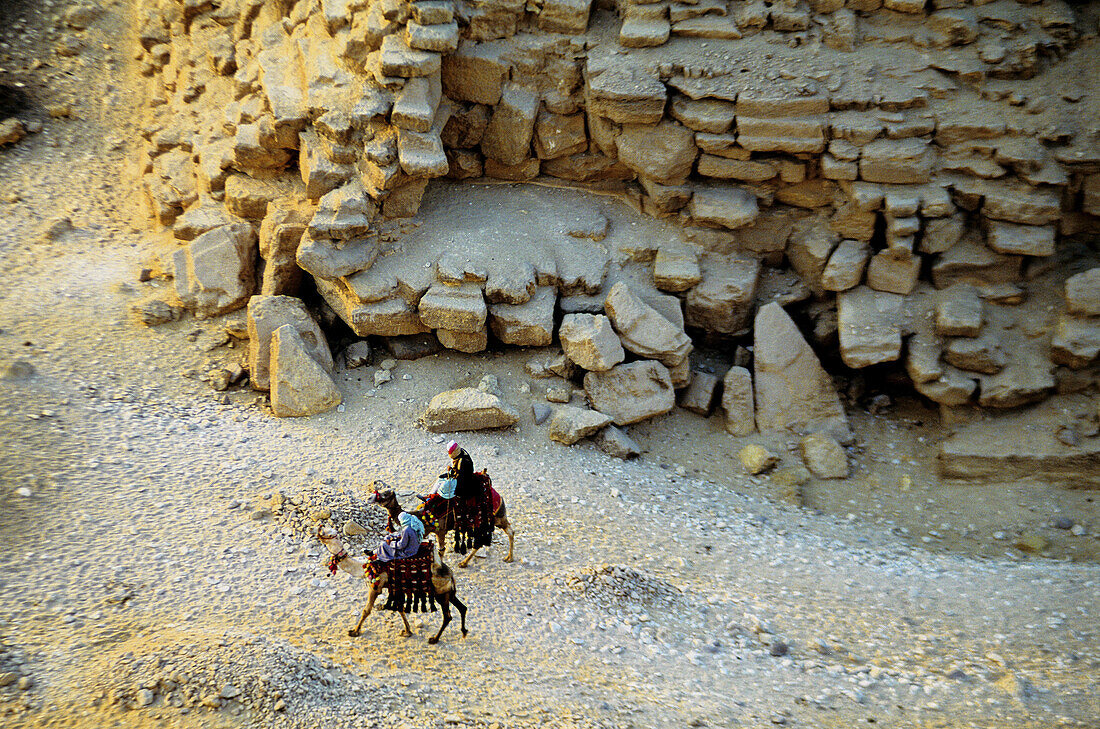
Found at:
<point>328,537</point>
<point>380,494</point>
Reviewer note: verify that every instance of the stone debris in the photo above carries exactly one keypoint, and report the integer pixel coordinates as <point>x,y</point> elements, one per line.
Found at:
<point>570,424</point>
<point>467,408</point>
<point>632,392</point>
<point>616,443</point>
<point>824,456</point>
<point>590,342</point>
<point>756,459</point>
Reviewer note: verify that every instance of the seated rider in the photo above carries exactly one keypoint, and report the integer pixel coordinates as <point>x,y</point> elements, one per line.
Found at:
<point>405,542</point>
<point>458,480</point>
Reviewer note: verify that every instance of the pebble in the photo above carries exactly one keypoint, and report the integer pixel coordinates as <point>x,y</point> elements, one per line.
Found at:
<point>1077,530</point>
<point>1063,522</point>
<point>145,697</point>
<point>24,683</point>
<point>23,491</point>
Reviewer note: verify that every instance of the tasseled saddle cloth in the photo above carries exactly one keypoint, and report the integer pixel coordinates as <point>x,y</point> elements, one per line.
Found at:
<point>474,516</point>
<point>410,581</point>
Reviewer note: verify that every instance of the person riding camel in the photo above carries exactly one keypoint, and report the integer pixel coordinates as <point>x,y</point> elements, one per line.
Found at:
<point>405,542</point>
<point>460,492</point>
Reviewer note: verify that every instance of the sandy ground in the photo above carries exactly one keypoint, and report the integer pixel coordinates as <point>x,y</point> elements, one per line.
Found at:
<point>157,570</point>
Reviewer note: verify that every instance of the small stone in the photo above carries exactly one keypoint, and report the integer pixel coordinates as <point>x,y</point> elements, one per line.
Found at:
<point>229,691</point>
<point>756,458</point>
<point>540,412</point>
<point>7,678</point>
<point>18,370</point>
<point>1077,530</point>
<point>1063,522</point>
<point>559,393</point>
<point>357,354</point>
<point>353,528</point>
<point>1034,543</point>
<point>382,376</point>
<point>23,491</point>
<point>24,683</point>
<point>145,697</point>
<point>280,705</point>
<point>778,648</point>
<point>388,364</point>
<point>1069,437</point>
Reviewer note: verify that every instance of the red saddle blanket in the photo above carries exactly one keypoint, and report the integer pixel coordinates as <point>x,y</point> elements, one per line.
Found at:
<point>410,581</point>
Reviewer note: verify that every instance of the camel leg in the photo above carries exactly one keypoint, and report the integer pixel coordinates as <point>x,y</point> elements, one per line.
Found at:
<point>461,610</point>
<point>503,523</point>
<point>405,620</point>
<point>354,632</point>
<point>443,603</point>
<point>440,539</point>
<point>469,556</point>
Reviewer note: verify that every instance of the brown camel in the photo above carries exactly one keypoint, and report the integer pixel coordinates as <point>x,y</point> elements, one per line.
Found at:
<point>443,585</point>
<point>387,499</point>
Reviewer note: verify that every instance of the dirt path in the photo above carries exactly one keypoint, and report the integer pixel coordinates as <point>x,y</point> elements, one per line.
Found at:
<point>156,567</point>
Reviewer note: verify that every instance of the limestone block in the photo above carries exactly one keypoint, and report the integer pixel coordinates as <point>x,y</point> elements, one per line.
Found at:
<point>1076,341</point>
<point>721,145</point>
<point>468,342</point>
<point>970,261</point>
<point>417,102</point>
<point>824,456</point>
<point>642,330</point>
<point>617,444</point>
<point>465,127</point>
<point>343,214</point>
<point>952,388</point>
<point>814,193</point>
<point>475,72</point>
<point>300,386</point>
<point>404,201</point>
<point>530,324</point>
<point>266,314</point>
<point>467,408</point>
<point>1026,378</point>
<point>922,358</point>
<point>1024,240</point>
<point>982,354</point>
<point>1090,195</point>
<point>526,170</point>
<point>319,173</point>
<point>432,12</point>
<point>558,135</point>
<point>728,207</point>
<point>665,198</point>
<point>215,273</point>
<point>756,459</point>
<point>1083,293</point>
<point>455,308</point>
<point>586,168</point>
<point>441,37</point>
<point>775,103</point>
<point>793,391</point>
<point>643,29</point>
<point>792,135</point>
<point>718,27</point>
<point>941,233</point>
<point>850,222</point>
<point>664,152</point>
<point>959,311</point>
<point>590,341</point>
<point>735,169</point>
<point>895,273</point>
<point>869,325</point>
<point>676,268</point>
<point>248,197</point>
<point>508,137</point>
<point>255,147</point>
<point>280,235</point>
<point>681,374</point>
<point>327,258</point>
<point>199,220</point>
<point>422,154</point>
<point>808,250</point>
<point>699,395</point>
<point>1021,204</point>
<point>398,59</point>
<point>703,115</point>
<point>738,401</point>
<point>906,161</point>
<point>841,32</point>
<point>723,301</point>
<point>631,392</point>
<point>844,269</point>
<point>565,16</point>
<point>625,95</point>
<point>835,169</point>
<point>569,424</point>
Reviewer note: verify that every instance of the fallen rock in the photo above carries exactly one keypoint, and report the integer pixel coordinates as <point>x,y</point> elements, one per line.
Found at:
<point>467,408</point>
<point>983,354</point>
<point>11,131</point>
<point>590,342</point>
<point>154,311</point>
<point>631,392</point>
<point>530,324</point>
<point>300,386</point>
<point>357,354</point>
<point>267,314</point>
<point>1083,293</point>
<point>215,273</point>
<point>617,444</point>
<point>570,424</point>
<point>738,401</point>
<point>824,456</point>
<point>699,395</point>
<point>642,330</point>
<point>723,301</point>
<point>756,458</point>
<point>793,390</point>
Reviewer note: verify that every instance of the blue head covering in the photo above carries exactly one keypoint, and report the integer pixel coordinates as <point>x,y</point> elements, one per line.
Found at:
<point>406,519</point>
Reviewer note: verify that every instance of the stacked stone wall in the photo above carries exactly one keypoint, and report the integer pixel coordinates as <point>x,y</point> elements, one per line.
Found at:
<point>867,147</point>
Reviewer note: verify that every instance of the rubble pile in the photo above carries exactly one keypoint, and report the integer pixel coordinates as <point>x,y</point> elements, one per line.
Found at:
<point>613,584</point>
<point>883,168</point>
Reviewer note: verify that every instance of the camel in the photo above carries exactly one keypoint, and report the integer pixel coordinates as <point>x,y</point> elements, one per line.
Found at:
<point>443,584</point>
<point>387,499</point>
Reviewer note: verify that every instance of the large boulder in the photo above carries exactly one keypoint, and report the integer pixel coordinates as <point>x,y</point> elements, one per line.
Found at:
<point>467,408</point>
<point>723,302</point>
<point>266,314</point>
<point>300,385</point>
<point>631,392</point>
<point>793,390</point>
<point>642,330</point>
<point>216,272</point>
<point>530,324</point>
<point>590,342</point>
<point>869,324</point>
<point>738,401</point>
<point>570,424</point>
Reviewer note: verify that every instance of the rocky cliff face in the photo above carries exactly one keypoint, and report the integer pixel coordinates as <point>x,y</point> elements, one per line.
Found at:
<point>920,179</point>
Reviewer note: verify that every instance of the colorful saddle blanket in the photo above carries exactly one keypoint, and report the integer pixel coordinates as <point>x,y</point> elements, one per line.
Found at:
<point>410,581</point>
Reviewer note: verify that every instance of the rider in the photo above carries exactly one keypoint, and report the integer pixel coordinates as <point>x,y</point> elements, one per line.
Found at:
<point>405,542</point>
